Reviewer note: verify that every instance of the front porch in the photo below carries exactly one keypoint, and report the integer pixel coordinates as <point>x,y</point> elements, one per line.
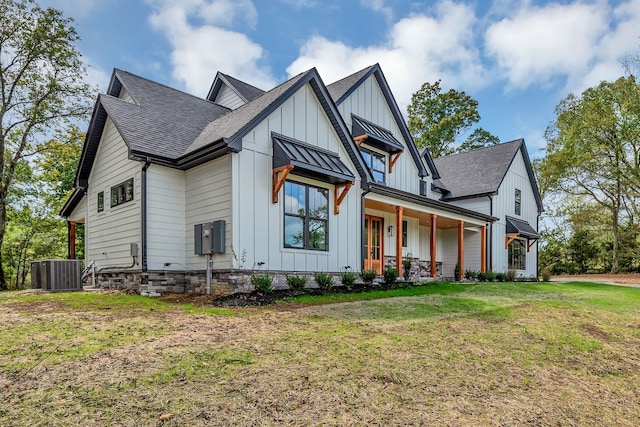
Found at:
<point>434,236</point>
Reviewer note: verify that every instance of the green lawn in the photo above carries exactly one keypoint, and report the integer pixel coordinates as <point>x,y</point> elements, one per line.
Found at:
<point>439,354</point>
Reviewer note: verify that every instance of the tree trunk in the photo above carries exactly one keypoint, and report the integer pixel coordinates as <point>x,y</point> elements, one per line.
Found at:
<point>615,269</point>
<point>3,224</point>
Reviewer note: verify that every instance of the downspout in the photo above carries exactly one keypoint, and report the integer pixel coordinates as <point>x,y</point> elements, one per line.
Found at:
<point>490,234</point>
<point>362,236</point>
<point>538,248</point>
<point>143,214</point>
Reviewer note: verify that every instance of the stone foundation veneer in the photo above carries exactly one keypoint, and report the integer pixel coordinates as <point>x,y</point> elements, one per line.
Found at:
<point>420,269</point>
<point>223,282</point>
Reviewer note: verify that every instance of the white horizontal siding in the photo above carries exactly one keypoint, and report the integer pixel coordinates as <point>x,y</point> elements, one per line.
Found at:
<point>478,204</point>
<point>79,212</point>
<point>125,96</point>
<point>166,238</point>
<point>228,98</point>
<point>109,234</point>
<point>208,198</point>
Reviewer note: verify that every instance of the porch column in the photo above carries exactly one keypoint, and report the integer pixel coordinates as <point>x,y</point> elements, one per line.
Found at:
<point>461,249</point>
<point>399,239</point>
<point>483,249</point>
<point>72,240</point>
<point>433,245</point>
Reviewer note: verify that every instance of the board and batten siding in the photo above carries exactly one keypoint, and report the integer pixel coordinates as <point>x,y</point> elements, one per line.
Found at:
<point>259,226</point>
<point>228,98</point>
<point>207,199</point>
<point>109,234</point>
<point>166,237</point>
<point>504,205</point>
<point>368,102</point>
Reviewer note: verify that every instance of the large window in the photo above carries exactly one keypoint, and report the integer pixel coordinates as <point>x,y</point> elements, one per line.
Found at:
<point>122,193</point>
<point>376,163</point>
<point>306,211</point>
<point>518,201</point>
<point>518,255</point>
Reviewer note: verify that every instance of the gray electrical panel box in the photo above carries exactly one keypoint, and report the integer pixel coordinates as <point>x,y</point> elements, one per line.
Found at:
<point>218,239</point>
<point>210,238</point>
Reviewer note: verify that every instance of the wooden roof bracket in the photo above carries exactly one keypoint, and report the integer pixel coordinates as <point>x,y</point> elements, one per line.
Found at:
<point>339,193</point>
<point>510,237</point>
<point>360,139</point>
<point>393,159</point>
<point>531,244</point>
<point>278,176</point>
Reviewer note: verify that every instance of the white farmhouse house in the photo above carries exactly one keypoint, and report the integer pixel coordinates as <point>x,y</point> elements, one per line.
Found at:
<point>300,179</point>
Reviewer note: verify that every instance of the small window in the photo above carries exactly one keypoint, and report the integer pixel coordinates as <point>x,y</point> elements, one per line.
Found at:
<point>518,201</point>
<point>405,227</point>
<point>122,193</point>
<point>376,163</point>
<point>306,211</point>
<point>517,255</point>
<point>101,201</point>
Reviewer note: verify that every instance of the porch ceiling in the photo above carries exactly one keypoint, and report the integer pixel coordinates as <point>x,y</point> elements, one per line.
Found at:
<point>424,218</point>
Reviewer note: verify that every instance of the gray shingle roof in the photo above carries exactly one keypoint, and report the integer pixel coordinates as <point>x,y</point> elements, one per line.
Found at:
<point>230,124</point>
<point>339,89</point>
<point>476,172</point>
<point>164,121</point>
<point>247,91</point>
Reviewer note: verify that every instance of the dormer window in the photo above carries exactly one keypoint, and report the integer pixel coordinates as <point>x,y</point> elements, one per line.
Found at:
<point>377,137</point>
<point>376,163</point>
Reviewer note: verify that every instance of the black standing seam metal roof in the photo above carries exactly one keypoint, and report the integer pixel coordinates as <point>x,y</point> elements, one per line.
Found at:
<point>245,91</point>
<point>382,138</point>
<point>341,90</point>
<point>521,227</point>
<point>481,172</point>
<point>309,160</point>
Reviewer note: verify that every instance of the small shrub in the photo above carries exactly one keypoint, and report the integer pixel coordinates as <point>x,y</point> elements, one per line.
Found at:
<point>470,274</point>
<point>489,276</point>
<point>296,283</point>
<point>348,278</point>
<point>511,275</point>
<point>324,281</point>
<point>390,276</point>
<point>500,277</point>
<point>456,271</point>
<point>406,268</point>
<point>482,276</point>
<point>263,283</point>
<point>368,276</point>
<point>546,275</point>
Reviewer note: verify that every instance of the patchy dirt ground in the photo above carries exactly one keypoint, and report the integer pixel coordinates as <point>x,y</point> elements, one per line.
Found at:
<point>549,360</point>
<point>630,279</point>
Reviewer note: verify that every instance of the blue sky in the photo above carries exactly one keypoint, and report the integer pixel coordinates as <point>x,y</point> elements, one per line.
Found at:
<point>518,59</point>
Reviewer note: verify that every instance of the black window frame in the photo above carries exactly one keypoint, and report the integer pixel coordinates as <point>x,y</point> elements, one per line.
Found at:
<point>517,255</point>
<point>307,218</point>
<point>120,195</point>
<point>100,201</point>
<point>517,206</point>
<point>382,157</point>
<point>405,230</point>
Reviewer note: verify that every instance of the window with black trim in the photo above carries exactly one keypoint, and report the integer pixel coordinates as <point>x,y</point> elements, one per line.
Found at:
<point>306,211</point>
<point>518,201</point>
<point>405,228</point>
<point>122,193</point>
<point>376,163</point>
<point>517,255</point>
<point>101,201</point>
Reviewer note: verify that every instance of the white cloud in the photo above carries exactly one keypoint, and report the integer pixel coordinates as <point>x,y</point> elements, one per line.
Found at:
<point>378,6</point>
<point>300,4</point>
<point>582,43</point>
<point>418,48</point>
<point>200,51</point>
<point>96,76</point>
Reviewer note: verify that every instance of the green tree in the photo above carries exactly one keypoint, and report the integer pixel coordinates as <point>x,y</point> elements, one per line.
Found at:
<point>41,88</point>
<point>437,119</point>
<point>593,152</point>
